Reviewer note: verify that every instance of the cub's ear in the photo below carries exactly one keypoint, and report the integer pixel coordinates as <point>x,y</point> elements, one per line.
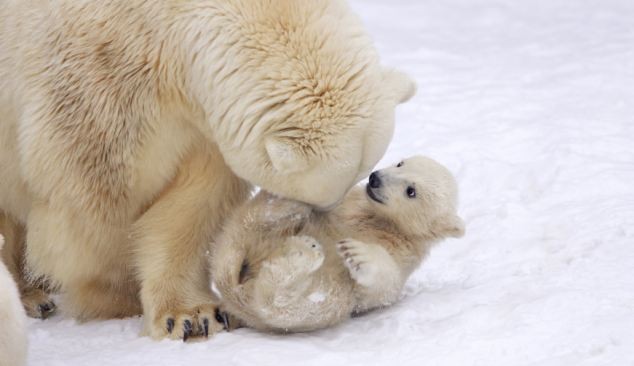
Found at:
<point>399,85</point>
<point>285,156</point>
<point>450,226</point>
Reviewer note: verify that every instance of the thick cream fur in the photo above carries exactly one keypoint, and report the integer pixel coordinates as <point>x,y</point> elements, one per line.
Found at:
<point>13,340</point>
<point>128,129</point>
<point>281,266</point>
<point>33,291</point>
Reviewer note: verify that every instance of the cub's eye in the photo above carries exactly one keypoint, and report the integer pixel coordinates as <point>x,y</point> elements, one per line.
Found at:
<point>411,192</point>
<point>399,164</point>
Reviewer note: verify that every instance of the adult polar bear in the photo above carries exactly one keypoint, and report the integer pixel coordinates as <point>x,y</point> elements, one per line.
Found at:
<point>130,128</point>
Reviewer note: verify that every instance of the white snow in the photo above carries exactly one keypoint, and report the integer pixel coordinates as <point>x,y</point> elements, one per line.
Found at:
<point>317,297</point>
<point>531,104</point>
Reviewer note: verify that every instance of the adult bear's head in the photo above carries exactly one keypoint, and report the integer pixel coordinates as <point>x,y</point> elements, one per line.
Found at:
<point>300,103</point>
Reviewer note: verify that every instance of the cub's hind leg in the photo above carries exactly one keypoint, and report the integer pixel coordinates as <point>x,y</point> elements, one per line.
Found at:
<point>282,289</point>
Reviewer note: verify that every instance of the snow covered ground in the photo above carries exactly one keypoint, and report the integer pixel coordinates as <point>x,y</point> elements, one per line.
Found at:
<point>531,104</point>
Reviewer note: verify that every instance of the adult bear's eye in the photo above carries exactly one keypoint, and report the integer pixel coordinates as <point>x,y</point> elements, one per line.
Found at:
<point>399,164</point>
<point>411,192</point>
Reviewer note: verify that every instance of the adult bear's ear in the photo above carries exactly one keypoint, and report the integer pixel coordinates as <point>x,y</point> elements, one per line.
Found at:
<point>399,85</point>
<point>449,226</point>
<point>285,156</point>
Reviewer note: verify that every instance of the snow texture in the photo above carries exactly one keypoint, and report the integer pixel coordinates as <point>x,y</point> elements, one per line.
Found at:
<point>531,105</point>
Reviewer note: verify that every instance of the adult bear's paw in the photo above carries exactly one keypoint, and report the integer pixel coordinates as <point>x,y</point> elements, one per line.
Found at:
<point>37,303</point>
<point>199,321</point>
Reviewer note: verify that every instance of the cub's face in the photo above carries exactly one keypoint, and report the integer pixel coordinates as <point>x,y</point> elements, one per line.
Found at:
<point>419,195</point>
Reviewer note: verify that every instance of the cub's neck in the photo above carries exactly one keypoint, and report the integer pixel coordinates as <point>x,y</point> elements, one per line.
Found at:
<point>356,213</point>
<point>357,217</point>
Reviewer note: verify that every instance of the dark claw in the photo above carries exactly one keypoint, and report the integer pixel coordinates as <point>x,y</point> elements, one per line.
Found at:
<point>206,327</point>
<point>170,325</point>
<point>187,330</point>
<point>46,309</point>
<point>221,317</point>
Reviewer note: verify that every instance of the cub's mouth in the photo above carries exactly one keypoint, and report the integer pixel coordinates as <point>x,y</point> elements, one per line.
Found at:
<point>371,194</point>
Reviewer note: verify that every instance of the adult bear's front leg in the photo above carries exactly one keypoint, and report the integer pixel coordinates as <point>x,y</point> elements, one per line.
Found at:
<point>172,242</point>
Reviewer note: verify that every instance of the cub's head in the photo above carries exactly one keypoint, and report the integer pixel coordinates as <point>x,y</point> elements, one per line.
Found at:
<point>419,195</point>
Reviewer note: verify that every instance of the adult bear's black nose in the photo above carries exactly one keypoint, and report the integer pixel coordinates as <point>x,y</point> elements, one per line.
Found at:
<point>375,181</point>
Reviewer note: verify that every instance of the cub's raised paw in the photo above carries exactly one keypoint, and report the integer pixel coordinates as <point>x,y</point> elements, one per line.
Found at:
<point>362,260</point>
<point>200,321</point>
<point>37,303</point>
<point>305,252</point>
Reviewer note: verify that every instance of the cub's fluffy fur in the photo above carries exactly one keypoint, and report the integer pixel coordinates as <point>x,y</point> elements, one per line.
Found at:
<point>130,128</point>
<point>13,341</point>
<point>281,266</point>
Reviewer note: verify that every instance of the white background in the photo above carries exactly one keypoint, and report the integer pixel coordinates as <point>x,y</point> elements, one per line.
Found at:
<point>531,105</point>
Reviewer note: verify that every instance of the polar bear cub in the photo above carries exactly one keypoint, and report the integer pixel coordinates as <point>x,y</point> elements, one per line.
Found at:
<point>281,266</point>
<point>13,339</point>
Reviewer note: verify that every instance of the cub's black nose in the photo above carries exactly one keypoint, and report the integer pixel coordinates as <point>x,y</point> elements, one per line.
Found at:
<point>375,181</point>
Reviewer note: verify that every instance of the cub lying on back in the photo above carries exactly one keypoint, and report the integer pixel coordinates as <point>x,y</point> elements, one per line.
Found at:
<point>281,266</point>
